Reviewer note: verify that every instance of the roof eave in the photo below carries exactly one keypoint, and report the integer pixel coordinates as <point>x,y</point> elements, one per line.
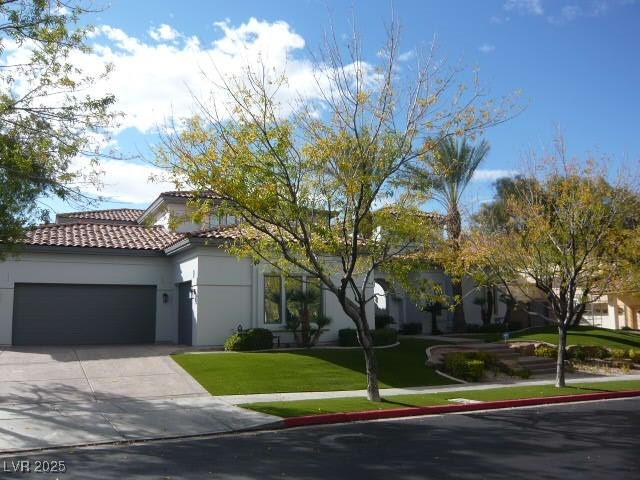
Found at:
<point>190,242</point>
<point>137,252</point>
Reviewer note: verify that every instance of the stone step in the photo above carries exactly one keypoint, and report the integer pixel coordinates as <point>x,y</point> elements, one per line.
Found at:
<point>541,371</point>
<point>536,361</point>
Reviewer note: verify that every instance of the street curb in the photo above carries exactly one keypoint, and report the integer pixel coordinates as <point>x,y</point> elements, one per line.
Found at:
<point>330,418</point>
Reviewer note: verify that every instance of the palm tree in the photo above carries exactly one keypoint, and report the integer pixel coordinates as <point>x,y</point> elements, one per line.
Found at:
<point>444,176</point>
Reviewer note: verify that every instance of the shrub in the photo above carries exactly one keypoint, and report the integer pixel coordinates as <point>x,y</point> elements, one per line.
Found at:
<point>546,351</point>
<point>253,339</point>
<point>412,328</point>
<point>634,354</point>
<point>348,337</point>
<point>384,336</point>
<point>384,320</point>
<point>618,353</point>
<point>462,366</point>
<point>523,373</point>
<point>586,352</point>
<point>529,349</point>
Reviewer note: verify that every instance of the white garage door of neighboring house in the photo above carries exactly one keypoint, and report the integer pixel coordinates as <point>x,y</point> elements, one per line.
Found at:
<point>62,314</point>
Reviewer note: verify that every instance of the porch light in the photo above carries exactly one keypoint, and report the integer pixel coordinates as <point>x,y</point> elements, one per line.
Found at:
<point>165,298</point>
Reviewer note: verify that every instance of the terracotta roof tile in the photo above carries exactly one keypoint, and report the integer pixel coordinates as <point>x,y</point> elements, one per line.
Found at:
<point>229,232</point>
<point>129,215</point>
<point>190,194</point>
<point>96,235</point>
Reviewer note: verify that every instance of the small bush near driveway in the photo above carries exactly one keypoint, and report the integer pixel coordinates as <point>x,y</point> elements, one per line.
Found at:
<point>254,339</point>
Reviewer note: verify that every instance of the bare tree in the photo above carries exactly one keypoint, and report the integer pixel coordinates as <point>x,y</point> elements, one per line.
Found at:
<point>305,178</point>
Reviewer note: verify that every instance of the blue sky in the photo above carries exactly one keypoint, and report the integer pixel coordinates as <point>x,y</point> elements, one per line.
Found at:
<point>575,61</point>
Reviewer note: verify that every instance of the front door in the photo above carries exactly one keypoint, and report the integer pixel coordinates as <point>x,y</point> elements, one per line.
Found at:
<point>185,314</point>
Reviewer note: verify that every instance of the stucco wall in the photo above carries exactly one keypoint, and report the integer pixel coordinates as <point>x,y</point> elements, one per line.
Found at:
<point>88,269</point>
<point>223,295</point>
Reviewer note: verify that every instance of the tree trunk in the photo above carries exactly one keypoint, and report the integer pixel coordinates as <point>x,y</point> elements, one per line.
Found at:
<point>562,344</point>
<point>459,324</point>
<point>373,392</point>
<point>359,317</point>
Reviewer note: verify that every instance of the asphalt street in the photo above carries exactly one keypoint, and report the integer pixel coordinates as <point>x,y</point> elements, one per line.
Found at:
<point>599,440</point>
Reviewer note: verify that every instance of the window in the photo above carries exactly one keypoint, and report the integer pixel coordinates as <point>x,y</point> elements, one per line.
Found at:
<point>272,299</point>
<point>380,298</point>
<point>300,296</point>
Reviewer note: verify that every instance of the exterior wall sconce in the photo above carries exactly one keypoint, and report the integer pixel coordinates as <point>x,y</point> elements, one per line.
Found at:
<point>165,298</point>
<point>192,293</point>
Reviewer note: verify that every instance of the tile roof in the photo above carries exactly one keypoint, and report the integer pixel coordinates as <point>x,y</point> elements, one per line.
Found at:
<point>228,232</point>
<point>190,194</point>
<point>223,232</point>
<point>129,215</point>
<point>102,235</point>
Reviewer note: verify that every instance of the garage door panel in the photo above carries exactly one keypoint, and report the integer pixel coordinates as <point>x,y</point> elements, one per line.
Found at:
<point>56,314</point>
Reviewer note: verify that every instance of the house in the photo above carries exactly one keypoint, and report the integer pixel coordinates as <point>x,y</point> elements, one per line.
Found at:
<point>143,276</point>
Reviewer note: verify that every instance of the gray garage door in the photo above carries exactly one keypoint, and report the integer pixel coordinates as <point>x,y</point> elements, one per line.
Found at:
<point>60,314</point>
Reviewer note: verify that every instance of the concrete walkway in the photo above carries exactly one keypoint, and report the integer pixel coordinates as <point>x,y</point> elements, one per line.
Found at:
<point>445,339</point>
<point>286,397</point>
<point>62,396</point>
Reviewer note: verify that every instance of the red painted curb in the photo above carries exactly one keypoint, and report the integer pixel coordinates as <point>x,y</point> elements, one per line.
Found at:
<point>415,411</point>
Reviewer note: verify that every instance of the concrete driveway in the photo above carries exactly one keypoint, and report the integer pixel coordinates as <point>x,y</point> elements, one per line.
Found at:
<point>53,396</point>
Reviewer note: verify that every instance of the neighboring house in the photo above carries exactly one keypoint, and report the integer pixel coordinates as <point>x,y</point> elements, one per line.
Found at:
<point>392,300</point>
<point>614,311</point>
<point>142,276</point>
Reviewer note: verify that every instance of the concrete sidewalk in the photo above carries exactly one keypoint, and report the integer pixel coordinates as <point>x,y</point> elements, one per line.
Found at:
<point>65,396</point>
<point>34,426</point>
<point>286,397</point>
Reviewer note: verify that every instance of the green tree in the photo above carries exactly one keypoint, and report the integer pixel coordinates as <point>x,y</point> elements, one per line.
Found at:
<point>47,118</point>
<point>443,175</point>
<point>569,233</point>
<point>304,177</point>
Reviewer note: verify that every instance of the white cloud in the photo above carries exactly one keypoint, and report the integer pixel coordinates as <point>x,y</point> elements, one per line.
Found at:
<point>123,181</point>
<point>406,56</point>
<point>154,81</point>
<point>487,48</point>
<point>524,7</point>
<point>491,175</point>
<point>163,32</point>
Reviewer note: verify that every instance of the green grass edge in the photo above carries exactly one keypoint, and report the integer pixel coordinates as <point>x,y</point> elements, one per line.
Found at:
<point>357,404</point>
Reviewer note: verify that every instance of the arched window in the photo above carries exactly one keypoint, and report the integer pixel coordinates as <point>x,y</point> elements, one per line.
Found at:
<point>380,295</point>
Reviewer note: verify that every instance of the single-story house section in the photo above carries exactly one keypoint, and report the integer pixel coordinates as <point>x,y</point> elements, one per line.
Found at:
<point>143,276</point>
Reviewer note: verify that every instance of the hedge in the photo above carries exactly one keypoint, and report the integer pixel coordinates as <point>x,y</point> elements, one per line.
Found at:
<point>253,339</point>
<point>462,366</point>
<point>586,352</point>
<point>384,336</point>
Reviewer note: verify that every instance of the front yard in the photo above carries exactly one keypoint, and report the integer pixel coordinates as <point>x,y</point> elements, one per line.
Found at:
<point>584,336</point>
<point>313,370</point>
<point>359,404</point>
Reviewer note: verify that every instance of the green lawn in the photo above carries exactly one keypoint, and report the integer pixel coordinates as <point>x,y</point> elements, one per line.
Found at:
<point>310,370</point>
<point>584,336</point>
<point>352,404</point>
